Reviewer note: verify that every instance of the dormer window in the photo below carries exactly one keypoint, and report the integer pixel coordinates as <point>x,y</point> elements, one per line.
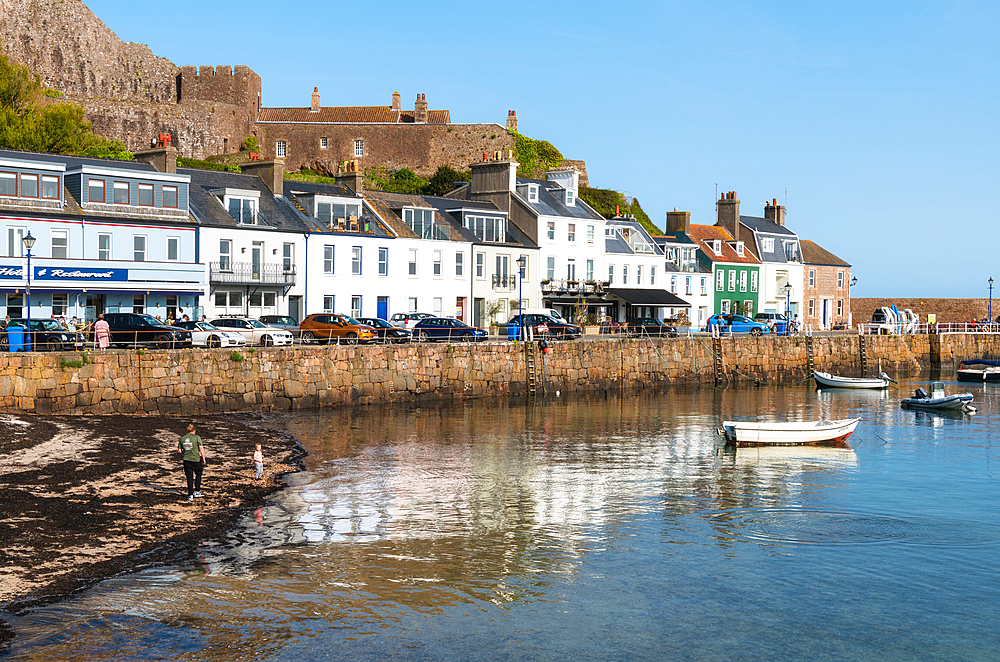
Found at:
<point>487,228</point>
<point>95,190</point>
<point>739,248</point>
<point>29,186</point>
<point>421,221</point>
<point>717,246</point>
<point>50,187</point>
<point>333,213</point>
<point>243,210</point>
<point>767,245</point>
<point>532,192</point>
<point>570,198</point>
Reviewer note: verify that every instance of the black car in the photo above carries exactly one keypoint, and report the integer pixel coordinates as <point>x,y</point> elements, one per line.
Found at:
<point>46,334</point>
<point>650,326</point>
<point>131,329</point>
<point>386,332</point>
<point>545,325</point>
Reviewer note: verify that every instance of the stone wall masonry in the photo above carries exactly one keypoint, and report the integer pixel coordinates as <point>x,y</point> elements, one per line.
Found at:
<point>947,310</point>
<point>190,382</point>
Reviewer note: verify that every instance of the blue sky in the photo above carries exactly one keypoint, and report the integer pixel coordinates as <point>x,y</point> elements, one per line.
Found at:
<point>877,121</point>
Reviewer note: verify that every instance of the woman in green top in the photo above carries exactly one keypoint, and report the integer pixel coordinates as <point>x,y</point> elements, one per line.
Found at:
<point>193,454</point>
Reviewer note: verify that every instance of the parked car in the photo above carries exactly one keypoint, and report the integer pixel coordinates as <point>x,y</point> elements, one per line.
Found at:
<point>737,324</point>
<point>330,327</point>
<point>131,329</point>
<point>204,334</point>
<point>253,331</point>
<point>650,326</point>
<point>777,322</point>
<point>549,325</point>
<point>407,320</point>
<point>446,328</point>
<point>281,322</point>
<point>386,332</point>
<point>46,334</point>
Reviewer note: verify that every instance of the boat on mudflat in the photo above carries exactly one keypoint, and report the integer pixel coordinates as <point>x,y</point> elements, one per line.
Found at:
<point>979,370</point>
<point>937,399</point>
<point>825,379</point>
<point>745,433</point>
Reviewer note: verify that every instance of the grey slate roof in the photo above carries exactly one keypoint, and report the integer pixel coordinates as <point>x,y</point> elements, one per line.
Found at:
<point>73,162</point>
<point>763,225</point>
<point>549,205</point>
<point>279,214</point>
<point>293,189</point>
<point>617,245</point>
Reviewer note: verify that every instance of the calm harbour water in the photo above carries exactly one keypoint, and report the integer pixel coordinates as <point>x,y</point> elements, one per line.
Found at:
<point>604,529</point>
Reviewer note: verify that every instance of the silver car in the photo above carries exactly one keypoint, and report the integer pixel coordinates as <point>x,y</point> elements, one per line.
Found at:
<point>204,334</point>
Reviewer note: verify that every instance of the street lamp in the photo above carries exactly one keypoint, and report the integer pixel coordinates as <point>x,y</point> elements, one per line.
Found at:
<point>29,241</point>
<point>854,281</point>
<point>990,314</point>
<point>520,294</point>
<point>788,308</point>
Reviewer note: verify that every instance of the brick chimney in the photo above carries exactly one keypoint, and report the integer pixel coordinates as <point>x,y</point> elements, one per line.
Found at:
<point>164,159</point>
<point>678,221</point>
<point>493,181</point>
<point>271,172</point>
<point>729,214</point>
<point>314,108</point>
<point>395,101</point>
<point>774,212</point>
<point>420,109</point>
<point>350,176</point>
<point>511,121</point>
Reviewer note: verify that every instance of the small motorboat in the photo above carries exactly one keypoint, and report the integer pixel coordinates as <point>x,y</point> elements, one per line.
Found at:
<point>979,370</point>
<point>744,433</point>
<point>825,379</point>
<point>938,400</point>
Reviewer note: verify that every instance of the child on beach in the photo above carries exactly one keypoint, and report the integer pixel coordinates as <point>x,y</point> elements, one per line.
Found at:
<point>258,463</point>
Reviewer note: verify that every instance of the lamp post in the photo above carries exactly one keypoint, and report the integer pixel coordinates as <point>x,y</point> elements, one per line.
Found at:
<point>520,295</point>
<point>788,308</point>
<point>29,241</point>
<point>990,314</point>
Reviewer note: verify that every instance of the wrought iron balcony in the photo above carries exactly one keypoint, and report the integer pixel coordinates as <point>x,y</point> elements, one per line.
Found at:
<point>504,282</point>
<point>570,286</point>
<point>248,273</point>
<point>248,216</point>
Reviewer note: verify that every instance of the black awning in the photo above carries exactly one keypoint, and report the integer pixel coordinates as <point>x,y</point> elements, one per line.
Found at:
<point>572,301</point>
<point>650,297</point>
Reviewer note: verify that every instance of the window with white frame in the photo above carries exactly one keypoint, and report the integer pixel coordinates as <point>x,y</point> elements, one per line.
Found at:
<point>421,221</point>
<point>383,261</point>
<point>673,284</point>
<point>60,304</point>
<point>255,300</point>
<point>524,271</point>
<point>570,198</point>
<point>812,279</point>
<point>652,275</point>
<point>280,149</point>
<point>104,246</point>
<point>459,264</point>
<point>739,248</point>
<point>328,259</point>
<point>270,299</point>
<point>611,274</point>
<point>812,307</point>
<point>437,263</point>
<point>717,246</point>
<point>355,260</point>
<point>138,303</point>
<point>840,307</point>
<point>122,196</point>
<point>487,228</point>
<point>60,244</point>
<point>287,257</point>
<point>236,299</point>
<point>638,275</point>
<point>704,285</point>
<point>14,305</point>
<point>732,280</point>
<point>624,274</point>
<point>146,195</point>
<point>221,299</point>
<point>590,270</point>
<point>532,192</point>
<point>571,232</point>
<point>753,281</point>
<point>328,301</point>
<point>323,142</point>
<point>225,254</point>
<point>720,279</point>
<point>139,248</point>
<point>480,265</point>
<point>355,306</point>
<point>767,245</point>
<point>328,211</point>
<point>413,262</point>
<point>243,210</point>
<point>438,306</point>
<point>687,285</point>
<point>590,234</point>
<point>550,267</point>
<point>359,148</point>
<point>724,304</point>
<point>50,187</point>
<point>840,280</point>
<point>413,304</point>
<point>743,281</point>
<point>551,230</point>
<point>571,268</point>
<point>173,249</point>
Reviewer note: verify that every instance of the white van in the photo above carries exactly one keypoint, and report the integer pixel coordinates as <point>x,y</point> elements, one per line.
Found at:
<point>551,312</point>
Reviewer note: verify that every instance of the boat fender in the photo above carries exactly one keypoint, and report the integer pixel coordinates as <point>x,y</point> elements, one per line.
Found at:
<point>969,408</point>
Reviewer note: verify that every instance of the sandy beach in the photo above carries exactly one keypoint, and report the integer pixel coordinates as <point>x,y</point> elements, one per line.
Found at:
<point>85,498</point>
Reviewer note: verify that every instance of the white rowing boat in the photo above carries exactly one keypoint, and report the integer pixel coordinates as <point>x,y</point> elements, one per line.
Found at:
<point>744,433</point>
<point>833,381</point>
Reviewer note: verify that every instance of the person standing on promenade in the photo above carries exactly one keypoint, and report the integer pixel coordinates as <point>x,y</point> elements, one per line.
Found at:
<point>258,463</point>
<point>102,333</point>
<point>193,453</point>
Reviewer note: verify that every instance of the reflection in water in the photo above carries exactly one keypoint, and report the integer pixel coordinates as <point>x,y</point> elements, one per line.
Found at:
<point>598,528</point>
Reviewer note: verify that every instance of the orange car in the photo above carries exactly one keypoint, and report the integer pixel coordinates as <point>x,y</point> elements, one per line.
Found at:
<point>329,327</point>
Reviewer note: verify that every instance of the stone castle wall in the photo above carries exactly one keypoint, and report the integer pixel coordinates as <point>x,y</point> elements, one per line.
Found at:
<point>192,382</point>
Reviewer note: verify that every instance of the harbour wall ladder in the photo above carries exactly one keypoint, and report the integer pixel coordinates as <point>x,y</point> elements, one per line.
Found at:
<point>529,365</point>
<point>720,374</point>
<point>809,355</point>
<point>863,352</point>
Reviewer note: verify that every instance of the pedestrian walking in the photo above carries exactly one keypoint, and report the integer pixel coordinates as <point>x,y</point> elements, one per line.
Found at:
<point>193,454</point>
<point>258,463</point>
<point>102,333</point>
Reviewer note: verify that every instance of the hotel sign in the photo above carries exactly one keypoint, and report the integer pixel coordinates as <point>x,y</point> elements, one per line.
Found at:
<point>58,273</point>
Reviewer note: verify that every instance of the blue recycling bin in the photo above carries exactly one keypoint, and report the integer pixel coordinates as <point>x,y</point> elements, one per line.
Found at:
<point>513,331</point>
<point>16,339</point>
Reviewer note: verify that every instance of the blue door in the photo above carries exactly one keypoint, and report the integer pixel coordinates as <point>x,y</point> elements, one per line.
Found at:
<point>382,308</point>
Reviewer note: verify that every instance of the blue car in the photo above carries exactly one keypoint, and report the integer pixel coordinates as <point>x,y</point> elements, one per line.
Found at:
<point>736,324</point>
<point>446,328</point>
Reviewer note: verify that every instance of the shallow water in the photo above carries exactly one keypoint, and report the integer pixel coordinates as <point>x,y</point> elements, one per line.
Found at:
<point>599,529</point>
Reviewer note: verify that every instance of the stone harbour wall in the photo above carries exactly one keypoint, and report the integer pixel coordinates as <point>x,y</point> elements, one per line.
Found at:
<point>189,382</point>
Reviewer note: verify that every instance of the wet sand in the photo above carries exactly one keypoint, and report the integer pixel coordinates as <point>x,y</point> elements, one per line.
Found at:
<point>86,498</point>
